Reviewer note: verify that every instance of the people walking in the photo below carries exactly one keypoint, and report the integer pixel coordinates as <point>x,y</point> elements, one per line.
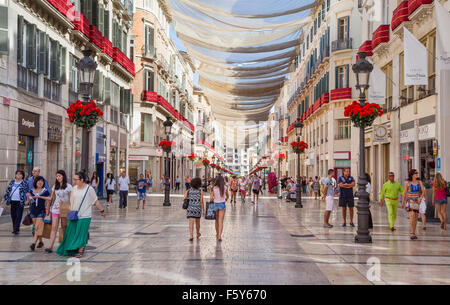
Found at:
<point>328,195</point>
<point>82,198</point>
<point>242,189</point>
<point>440,199</point>
<point>141,191</point>
<point>196,207</point>
<point>149,179</point>
<point>255,189</point>
<point>36,172</point>
<point>38,199</point>
<point>389,192</point>
<point>187,182</point>
<point>60,197</point>
<point>110,187</point>
<point>177,183</point>
<point>16,197</point>
<point>316,187</point>
<point>414,193</point>
<point>95,182</point>
<point>234,188</point>
<point>368,186</point>
<point>124,187</point>
<point>219,195</point>
<point>346,197</point>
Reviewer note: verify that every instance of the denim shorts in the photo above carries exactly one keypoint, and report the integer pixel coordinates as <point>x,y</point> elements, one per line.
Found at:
<point>219,206</point>
<point>141,196</point>
<point>443,201</point>
<point>40,215</point>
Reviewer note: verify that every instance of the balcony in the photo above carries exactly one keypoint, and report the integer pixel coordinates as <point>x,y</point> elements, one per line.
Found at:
<point>81,24</point>
<point>95,37</point>
<point>107,47</point>
<point>413,5</point>
<point>341,94</point>
<point>150,96</point>
<point>366,47</point>
<point>339,45</point>
<point>123,60</point>
<point>63,6</point>
<point>381,35</point>
<point>400,15</point>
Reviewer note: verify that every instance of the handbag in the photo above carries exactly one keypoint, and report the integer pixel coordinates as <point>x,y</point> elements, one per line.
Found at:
<point>8,202</point>
<point>73,215</point>
<point>447,191</point>
<point>186,202</point>
<point>209,212</point>
<point>27,221</point>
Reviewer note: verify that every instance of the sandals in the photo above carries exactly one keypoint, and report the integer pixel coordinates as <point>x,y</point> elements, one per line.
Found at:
<point>32,247</point>
<point>198,235</point>
<point>48,250</point>
<point>80,254</point>
<point>412,236</point>
<point>40,245</point>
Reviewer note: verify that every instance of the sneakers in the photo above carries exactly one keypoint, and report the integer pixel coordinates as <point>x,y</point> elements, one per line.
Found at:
<point>352,224</point>
<point>328,226</point>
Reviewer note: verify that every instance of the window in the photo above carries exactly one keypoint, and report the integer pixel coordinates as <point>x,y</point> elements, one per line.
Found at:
<point>106,24</point>
<point>146,121</point>
<point>149,41</point>
<point>343,31</point>
<point>344,129</point>
<point>342,75</point>
<point>387,69</point>
<point>386,12</point>
<point>4,45</point>
<point>131,53</point>
<point>149,80</point>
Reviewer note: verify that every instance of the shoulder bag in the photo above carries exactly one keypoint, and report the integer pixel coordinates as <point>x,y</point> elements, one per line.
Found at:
<point>73,215</point>
<point>186,202</point>
<point>8,202</point>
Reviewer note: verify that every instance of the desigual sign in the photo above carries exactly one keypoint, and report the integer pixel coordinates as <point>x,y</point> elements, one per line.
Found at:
<point>28,123</point>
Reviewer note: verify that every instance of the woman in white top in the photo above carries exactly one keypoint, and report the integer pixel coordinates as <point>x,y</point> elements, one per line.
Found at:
<point>219,195</point>
<point>95,181</point>
<point>60,193</point>
<point>82,198</point>
<point>110,187</point>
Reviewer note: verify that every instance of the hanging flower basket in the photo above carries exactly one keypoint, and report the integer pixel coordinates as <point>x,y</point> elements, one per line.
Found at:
<point>363,116</point>
<point>281,157</point>
<point>213,165</point>
<point>192,157</point>
<point>84,116</point>
<point>166,146</point>
<point>205,162</point>
<point>299,147</point>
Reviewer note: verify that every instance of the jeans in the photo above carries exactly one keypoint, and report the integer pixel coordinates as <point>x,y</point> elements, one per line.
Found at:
<point>123,199</point>
<point>16,215</point>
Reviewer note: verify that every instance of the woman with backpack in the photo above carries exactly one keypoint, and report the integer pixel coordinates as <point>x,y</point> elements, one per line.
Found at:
<point>196,207</point>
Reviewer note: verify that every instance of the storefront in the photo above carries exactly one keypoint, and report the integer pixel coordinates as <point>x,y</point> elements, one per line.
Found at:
<point>28,130</point>
<point>113,151</point>
<point>342,161</point>
<point>54,140</point>
<point>426,158</point>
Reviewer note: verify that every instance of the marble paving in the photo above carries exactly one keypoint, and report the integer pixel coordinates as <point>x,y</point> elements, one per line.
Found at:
<point>271,242</point>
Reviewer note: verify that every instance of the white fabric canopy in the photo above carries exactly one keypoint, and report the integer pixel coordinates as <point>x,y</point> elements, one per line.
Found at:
<point>242,49</point>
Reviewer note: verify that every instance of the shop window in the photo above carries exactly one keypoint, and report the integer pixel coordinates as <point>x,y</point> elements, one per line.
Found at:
<point>387,69</point>
<point>342,77</point>
<point>4,41</point>
<point>146,120</point>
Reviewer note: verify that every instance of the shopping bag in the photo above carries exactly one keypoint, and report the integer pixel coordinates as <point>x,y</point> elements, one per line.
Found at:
<point>40,226</point>
<point>209,212</point>
<point>423,206</point>
<point>1,211</point>
<point>47,230</point>
<point>64,208</point>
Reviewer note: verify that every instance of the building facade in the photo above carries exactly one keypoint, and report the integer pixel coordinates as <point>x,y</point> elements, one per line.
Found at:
<point>163,88</point>
<point>39,80</point>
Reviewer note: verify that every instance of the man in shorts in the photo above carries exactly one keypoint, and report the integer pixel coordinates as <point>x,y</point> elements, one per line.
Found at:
<point>141,186</point>
<point>346,197</point>
<point>329,185</point>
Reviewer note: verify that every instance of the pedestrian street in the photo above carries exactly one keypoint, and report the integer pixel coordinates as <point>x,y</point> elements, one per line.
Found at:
<point>268,243</point>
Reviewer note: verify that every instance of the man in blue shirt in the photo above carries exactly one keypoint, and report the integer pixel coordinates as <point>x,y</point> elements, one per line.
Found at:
<point>30,180</point>
<point>346,198</point>
<point>141,186</point>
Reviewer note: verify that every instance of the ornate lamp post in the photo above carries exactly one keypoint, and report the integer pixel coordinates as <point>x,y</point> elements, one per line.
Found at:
<point>279,171</point>
<point>298,132</point>
<point>362,69</point>
<point>192,151</point>
<point>86,67</point>
<point>214,162</point>
<point>167,129</point>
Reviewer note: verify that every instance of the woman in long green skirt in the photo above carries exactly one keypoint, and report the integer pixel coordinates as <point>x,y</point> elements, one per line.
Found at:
<point>82,198</point>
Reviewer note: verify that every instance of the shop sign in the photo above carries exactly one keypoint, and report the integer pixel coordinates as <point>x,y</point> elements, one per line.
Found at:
<point>99,158</point>
<point>159,152</point>
<point>341,156</point>
<point>435,147</point>
<point>438,164</point>
<point>380,133</point>
<point>138,158</point>
<point>54,128</point>
<point>427,131</point>
<point>407,135</point>
<point>28,123</point>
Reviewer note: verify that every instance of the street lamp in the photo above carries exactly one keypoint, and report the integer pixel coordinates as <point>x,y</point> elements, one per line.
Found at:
<point>167,129</point>
<point>214,162</point>
<point>362,70</point>
<point>86,67</point>
<point>298,131</point>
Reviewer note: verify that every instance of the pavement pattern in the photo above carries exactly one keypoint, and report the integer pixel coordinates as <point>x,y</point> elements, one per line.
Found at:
<point>271,242</point>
